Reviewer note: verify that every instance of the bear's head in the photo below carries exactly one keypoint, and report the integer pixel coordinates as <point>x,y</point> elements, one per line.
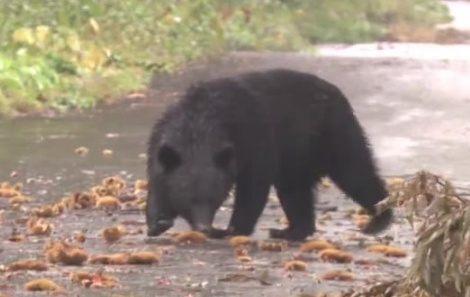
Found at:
<point>192,182</point>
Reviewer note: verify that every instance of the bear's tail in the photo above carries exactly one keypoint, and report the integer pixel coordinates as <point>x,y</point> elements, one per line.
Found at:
<point>350,161</point>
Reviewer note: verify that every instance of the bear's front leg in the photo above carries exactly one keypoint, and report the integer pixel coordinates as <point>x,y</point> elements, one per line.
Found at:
<point>297,203</point>
<point>251,197</point>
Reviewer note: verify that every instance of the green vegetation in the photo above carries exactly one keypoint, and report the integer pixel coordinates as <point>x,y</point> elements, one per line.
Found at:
<point>73,53</point>
<point>364,20</point>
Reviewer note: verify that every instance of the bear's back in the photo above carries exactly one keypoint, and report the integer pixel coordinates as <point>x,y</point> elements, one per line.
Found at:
<point>297,103</point>
<point>293,105</point>
<point>283,93</point>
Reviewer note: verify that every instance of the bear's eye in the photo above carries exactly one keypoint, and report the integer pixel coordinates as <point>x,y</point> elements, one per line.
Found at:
<point>169,158</point>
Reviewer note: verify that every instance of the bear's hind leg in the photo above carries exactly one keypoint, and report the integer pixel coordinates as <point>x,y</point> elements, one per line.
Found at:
<point>350,163</point>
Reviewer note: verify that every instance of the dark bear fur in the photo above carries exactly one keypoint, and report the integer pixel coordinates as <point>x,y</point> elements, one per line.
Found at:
<point>278,127</point>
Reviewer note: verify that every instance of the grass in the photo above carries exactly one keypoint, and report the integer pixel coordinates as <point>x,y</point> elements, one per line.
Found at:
<point>68,54</point>
<point>364,20</point>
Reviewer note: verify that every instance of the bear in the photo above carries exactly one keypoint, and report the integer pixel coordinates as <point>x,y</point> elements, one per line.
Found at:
<point>252,131</point>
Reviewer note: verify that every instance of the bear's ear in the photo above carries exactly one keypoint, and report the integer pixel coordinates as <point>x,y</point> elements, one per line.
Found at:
<point>225,156</point>
<point>168,157</point>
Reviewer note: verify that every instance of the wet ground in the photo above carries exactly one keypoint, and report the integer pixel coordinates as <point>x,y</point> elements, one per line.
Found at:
<point>415,110</point>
